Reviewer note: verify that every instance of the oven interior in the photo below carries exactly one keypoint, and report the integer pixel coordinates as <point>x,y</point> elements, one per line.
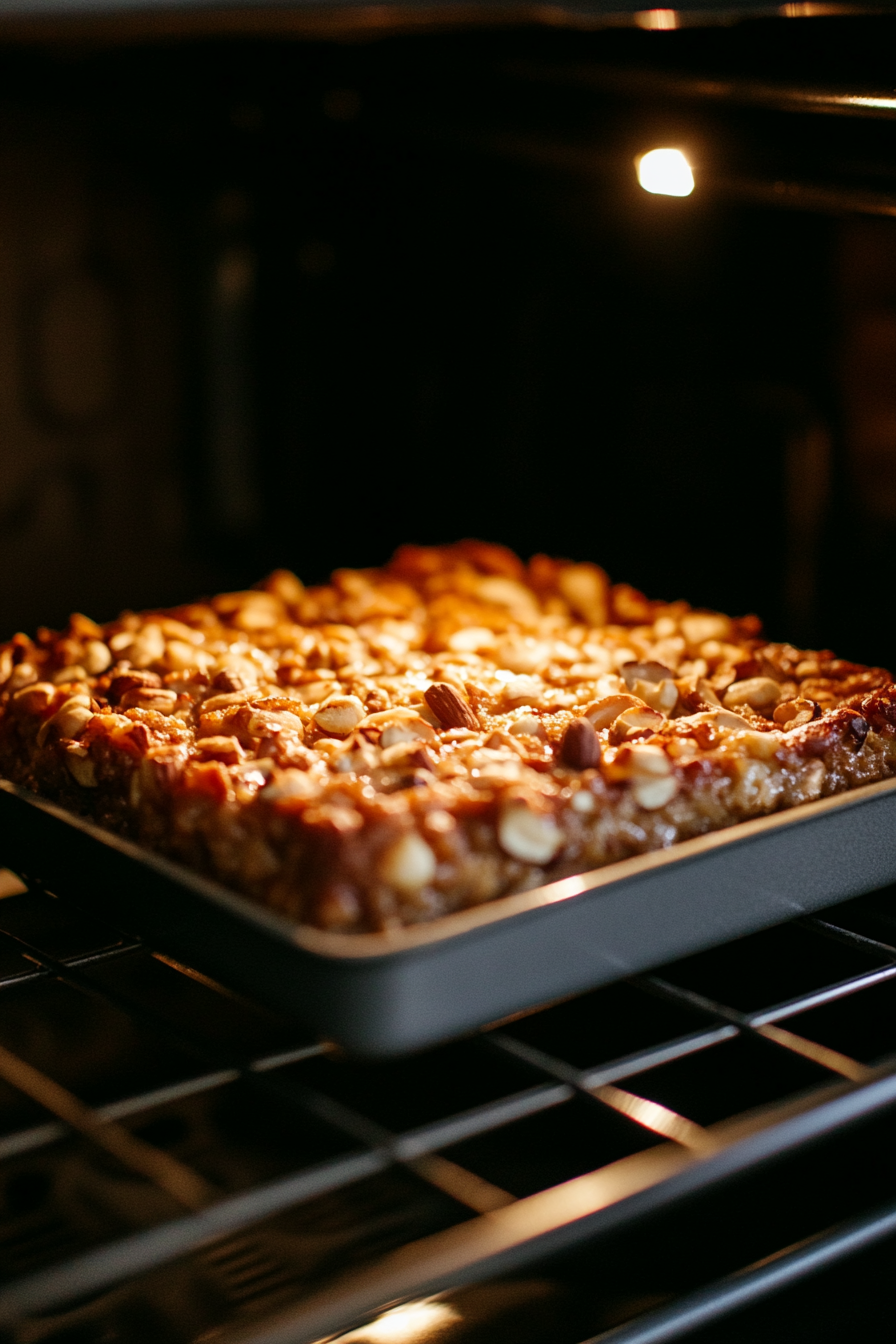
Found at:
<point>703,1153</point>
<point>283,299</point>
<point>271,301</point>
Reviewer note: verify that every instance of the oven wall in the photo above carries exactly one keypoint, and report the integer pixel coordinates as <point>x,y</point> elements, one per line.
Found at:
<point>270,302</point>
<point>91,498</point>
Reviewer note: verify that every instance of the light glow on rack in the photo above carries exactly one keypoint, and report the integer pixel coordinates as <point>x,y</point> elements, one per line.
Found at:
<point>665,172</point>
<point>414,1323</point>
<point>808,10</point>
<point>10,885</point>
<point>657,20</point>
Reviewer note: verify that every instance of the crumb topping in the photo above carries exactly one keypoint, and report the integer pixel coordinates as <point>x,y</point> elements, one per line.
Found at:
<point>408,741</point>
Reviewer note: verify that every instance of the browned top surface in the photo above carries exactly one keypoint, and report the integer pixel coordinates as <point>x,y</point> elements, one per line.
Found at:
<point>454,680</point>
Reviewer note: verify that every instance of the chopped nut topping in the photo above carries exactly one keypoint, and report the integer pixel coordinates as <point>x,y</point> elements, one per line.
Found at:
<point>527,726</point>
<point>149,697</point>
<point>148,646</point>
<point>70,719</point>
<point>340,714</point>
<point>533,837</point>
<point>794,713</point>
<point>604,712</point>
<point>410,729</point>
<point>635,722</point>
<point>404,742</point>
<point>638,761</point>
<point>97,657</point>
<point>523,654</point>
<point>707,693</point>
<point>586,589</point>
<point>760,693</point>
<point>698,627</point>
<point>81,767</point>
<point>223,748</point>
<point>34,699</point>
<point>645,672</point>
<point>408,864</point>
<point>523,691</point>
<point>652,794</point>
<point>661,696</point>
<point>66,675</point>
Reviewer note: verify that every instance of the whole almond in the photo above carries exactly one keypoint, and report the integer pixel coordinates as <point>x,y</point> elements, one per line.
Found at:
<point>580,748</point>
<point>229,680</point>
<point>449,706</point>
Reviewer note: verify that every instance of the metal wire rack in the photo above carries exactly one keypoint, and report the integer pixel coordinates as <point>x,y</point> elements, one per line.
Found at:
<point>177,1163</point>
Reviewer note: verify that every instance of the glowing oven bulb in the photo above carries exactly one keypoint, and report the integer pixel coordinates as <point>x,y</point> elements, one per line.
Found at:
<point>665,172</point>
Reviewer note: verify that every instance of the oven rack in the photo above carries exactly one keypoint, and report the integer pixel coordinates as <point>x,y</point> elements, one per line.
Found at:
<point>158,1129</point>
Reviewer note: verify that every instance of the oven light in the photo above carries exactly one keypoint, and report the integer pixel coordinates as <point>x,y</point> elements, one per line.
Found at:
<point>414,1323</point>
<point>665,172</point>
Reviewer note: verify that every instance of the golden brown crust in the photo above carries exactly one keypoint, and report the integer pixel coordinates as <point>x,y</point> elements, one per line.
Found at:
<point>410,741</point>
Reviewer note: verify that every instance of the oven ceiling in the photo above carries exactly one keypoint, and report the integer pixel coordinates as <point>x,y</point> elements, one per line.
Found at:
<point>341,18</point>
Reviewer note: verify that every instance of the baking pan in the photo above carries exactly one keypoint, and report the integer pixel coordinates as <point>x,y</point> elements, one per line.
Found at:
<point>387,993</point>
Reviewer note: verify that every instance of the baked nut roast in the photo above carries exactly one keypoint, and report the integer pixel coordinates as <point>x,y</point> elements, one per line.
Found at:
<point>421,738</point>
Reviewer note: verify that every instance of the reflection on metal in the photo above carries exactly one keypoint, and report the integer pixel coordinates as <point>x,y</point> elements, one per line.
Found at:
<point>657,20</point>
<point>659,1119</point>
<point>819,1054</point>
<point>106,1266</point>
<point>509,1233</point>
<point>185,1186</point>
<point>649,1059</point>
<point>595,162</point>
<point>811,9</point>
<point>10,885</point>
<point>665,172</point>
<point>479,1120</point>
<point>468,1250</point>
<point>863,102</point>
<point>828,994</point>
<point>658,85</point>
<point>766,1276</point>
<point>414,1323</point>
<point>464,1186</point>
<point>512,1235</point>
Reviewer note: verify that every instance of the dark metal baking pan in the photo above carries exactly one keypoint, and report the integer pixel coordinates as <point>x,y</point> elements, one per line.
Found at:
<point>385,993</point>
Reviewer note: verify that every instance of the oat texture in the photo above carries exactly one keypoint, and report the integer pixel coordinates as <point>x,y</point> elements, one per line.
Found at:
<point>421,738</point>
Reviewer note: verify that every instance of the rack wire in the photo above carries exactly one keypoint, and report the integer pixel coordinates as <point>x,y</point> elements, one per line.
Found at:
<point>156,1128</point>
